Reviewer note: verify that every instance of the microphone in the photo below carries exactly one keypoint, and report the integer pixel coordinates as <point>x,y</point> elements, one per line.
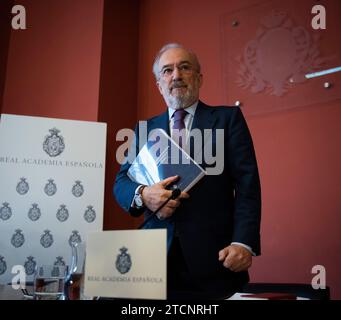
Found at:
<point>175,193</point>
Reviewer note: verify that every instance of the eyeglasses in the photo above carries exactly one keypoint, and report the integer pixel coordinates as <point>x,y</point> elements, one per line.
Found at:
<point>184,68</point>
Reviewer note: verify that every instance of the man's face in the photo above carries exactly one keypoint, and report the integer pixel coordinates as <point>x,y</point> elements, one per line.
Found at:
<point>179,80</point>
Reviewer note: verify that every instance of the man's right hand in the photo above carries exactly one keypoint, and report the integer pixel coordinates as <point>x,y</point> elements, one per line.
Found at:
<point>154,196</point>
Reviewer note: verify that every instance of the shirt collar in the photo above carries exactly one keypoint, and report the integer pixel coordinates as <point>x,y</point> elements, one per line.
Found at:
<point>191,110</point>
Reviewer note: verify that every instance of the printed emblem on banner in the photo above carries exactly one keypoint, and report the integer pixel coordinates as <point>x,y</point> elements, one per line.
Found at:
<point>77,189</point>
<point>123,261</point>
<point>41,272</point>
<point>22,186</point>
<point>55,272</point>
<point>50,188</point>
<point>89,214</point>
<point>3,265</point>
<point>74,238</point>
<point>62,213</point>
<point>34,213</point>
<point>5,211</point>
<point>59,261</point>
<point>17,239</point>
<point>46,240</point>
<point>30,265</point>
<point>54,144</point>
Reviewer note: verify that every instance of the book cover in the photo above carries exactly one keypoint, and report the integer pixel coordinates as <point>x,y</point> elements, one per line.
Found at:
<point>161,158</point>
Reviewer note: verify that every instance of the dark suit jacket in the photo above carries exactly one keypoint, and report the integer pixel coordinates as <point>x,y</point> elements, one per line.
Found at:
<point>221,209</point>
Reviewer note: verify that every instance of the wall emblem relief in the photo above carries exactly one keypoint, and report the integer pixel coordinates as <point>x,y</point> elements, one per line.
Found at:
<point>281,54</point>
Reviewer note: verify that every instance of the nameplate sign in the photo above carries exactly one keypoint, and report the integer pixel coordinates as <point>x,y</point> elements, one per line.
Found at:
<point>127,264</point>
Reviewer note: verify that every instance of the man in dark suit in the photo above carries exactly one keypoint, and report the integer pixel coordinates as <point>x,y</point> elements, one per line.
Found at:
<point>214,229</point>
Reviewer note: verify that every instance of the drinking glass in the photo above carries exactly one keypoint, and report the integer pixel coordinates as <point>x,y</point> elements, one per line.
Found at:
<point>49,282</point>
<point>75,281</point>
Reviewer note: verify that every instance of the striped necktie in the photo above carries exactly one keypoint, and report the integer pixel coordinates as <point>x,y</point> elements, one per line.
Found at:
<point>178,127</point>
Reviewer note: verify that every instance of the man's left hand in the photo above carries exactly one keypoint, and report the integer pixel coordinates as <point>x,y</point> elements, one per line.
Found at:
<point>236,258</point>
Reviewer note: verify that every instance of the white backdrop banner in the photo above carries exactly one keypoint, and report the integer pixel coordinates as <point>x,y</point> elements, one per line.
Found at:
<point>51,189</point>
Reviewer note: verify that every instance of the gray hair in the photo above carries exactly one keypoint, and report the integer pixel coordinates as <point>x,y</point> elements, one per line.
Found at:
<point>172,46</point>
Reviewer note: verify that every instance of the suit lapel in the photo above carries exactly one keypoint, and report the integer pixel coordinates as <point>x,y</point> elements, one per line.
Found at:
<point>160,122</point>
<point>204,117</point>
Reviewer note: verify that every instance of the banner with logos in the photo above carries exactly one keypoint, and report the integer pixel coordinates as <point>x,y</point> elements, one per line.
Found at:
<point>51,189</point>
